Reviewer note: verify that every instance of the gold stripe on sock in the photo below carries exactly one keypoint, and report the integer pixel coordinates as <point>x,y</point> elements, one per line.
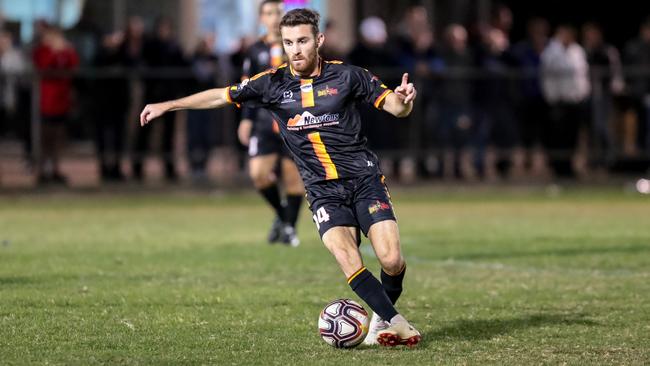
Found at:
<point>356,274</point>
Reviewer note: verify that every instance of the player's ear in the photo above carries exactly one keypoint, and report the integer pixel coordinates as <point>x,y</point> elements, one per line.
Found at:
<point>320,39</point>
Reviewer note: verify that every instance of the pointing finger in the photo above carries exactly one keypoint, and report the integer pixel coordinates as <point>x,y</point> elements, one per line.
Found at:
<point>405,79</point>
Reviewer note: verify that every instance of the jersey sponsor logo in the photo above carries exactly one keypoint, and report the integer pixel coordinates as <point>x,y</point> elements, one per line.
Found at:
<point>307,93</point>
<point>327,92</point>
<point>378,206</point>
<point>287,97</point>
<point>307,120</point>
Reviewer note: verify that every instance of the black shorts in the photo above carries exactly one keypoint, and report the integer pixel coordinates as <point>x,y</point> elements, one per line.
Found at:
<point>266,142</point>
<point>357,202</point>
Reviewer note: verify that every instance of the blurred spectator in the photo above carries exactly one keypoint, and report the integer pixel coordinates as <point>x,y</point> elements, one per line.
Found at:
<point>495,96</point>
<point>532,107</point>
<point>416,54</point>
<point>12,64</point>
<point>502,19</point>
<point>331,49</point>
<point>54,57</point>
<point>111,96</point>
<point>133,44</point>
<point>566,87</point>
<point>416,43</point>
<point>457,128</point>
<point>201,123</point>
<point>372,52</point>
<point>637,56</point>
<point>607,76</point>
<point>161,52</point>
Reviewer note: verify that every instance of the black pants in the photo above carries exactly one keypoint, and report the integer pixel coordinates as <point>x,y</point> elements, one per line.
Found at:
<point>561,134</point>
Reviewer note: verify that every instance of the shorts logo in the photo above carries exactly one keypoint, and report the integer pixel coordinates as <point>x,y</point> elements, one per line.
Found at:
<point>378,206</point>
<point>307,120</point>
<point>327,92</point>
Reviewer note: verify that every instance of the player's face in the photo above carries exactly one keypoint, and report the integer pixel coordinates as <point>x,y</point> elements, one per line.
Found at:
<point>301,47</point>
<point>271,15</point>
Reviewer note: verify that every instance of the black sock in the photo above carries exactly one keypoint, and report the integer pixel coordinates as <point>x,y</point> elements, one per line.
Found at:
<point>272,195</point>
<point>393,284</point>
<point>369,289</point>
<point>293,208</point>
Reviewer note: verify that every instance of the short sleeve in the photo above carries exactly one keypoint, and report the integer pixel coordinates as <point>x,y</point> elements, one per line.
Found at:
<point>250,92</point>
<point>368,88</point>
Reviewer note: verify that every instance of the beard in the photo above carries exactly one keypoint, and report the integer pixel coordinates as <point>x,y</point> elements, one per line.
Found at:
<point>304,64</point>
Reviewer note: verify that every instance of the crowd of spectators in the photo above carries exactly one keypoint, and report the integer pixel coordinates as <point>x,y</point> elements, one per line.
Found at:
<point>562,101</point>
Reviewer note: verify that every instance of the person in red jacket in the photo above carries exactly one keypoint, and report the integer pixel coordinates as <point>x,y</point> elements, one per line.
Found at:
<point>54,56</point>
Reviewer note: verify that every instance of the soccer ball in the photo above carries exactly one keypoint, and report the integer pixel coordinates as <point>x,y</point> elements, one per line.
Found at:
<point>343,323</point>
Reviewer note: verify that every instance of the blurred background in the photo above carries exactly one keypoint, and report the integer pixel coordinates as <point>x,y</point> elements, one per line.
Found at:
<point>508,92</point>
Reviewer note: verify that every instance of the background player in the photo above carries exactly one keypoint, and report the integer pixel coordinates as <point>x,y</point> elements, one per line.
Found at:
<point>260,133</point>
<point>315,104</point>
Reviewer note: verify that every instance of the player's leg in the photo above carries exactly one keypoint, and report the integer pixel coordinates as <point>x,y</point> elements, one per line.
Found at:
<point>261,171</point>
<point>342,243</point>
<point>384,236</point>
<point>374,211</point>
<point>295,192</point>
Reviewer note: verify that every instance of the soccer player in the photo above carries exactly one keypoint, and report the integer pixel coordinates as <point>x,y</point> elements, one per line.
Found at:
<point>258,130</point>
<point>314,102</point>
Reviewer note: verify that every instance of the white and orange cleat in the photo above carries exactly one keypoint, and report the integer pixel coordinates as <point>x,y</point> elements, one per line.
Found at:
<point>377,325</point>
<point>399,333</point>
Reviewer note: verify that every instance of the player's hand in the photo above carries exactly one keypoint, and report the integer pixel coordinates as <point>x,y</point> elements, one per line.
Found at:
<point>152,111</point>
<point>244,131</point>
<point>406,91</point>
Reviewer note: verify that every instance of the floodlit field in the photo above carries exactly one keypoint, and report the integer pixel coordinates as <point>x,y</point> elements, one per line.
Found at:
<point>493,277</point>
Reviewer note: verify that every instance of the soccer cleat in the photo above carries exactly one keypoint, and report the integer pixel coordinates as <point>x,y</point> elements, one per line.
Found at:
<point>276,234</point>
<point>401,333</point>
<point>290,236</point>
<point>377,325</point>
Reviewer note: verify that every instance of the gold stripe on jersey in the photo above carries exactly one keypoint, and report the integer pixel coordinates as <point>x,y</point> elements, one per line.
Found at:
<point>307,92</point>
<point>323,156</point>
<point>381,98</point>
<point>355,274</point>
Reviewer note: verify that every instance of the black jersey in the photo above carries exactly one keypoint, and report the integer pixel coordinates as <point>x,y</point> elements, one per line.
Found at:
<point>261,56</point>
<point>317,117</point>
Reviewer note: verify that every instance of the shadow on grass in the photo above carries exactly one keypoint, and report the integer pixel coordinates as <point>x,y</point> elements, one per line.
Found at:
<point>557,252</point>
<point>483,329</point>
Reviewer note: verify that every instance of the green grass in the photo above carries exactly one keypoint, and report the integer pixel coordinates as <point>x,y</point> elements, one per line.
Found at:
<point>493,278</point>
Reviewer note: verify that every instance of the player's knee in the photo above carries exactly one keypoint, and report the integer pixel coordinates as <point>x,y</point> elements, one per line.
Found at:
<point>391,261</point>
<point>260,179</point>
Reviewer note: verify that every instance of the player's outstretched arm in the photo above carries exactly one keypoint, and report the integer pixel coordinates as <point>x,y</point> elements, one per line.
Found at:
<point>211,98</point>
<point>400,103</point>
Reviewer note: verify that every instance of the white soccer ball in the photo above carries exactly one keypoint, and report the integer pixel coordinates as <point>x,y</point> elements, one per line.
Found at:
<point>343,323</point>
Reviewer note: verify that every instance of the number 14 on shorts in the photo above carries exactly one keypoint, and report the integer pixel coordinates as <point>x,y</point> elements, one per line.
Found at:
<point>320,217</point>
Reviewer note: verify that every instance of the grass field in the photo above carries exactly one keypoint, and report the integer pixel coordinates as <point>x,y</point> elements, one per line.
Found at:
<point>494,278</point>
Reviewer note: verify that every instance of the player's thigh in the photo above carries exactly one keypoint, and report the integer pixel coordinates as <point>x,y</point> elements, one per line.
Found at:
<point>261,167</point>
<point>291,177</point>
<point>372,203</point>
<point>384,237</point>
<point>341,241</point>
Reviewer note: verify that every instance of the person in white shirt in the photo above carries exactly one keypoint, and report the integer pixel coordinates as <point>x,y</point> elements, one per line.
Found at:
<point>566,88</point>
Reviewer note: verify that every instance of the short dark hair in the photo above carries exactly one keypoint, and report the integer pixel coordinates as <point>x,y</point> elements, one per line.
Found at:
<point>301,16</point>
<point>264,2</point>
